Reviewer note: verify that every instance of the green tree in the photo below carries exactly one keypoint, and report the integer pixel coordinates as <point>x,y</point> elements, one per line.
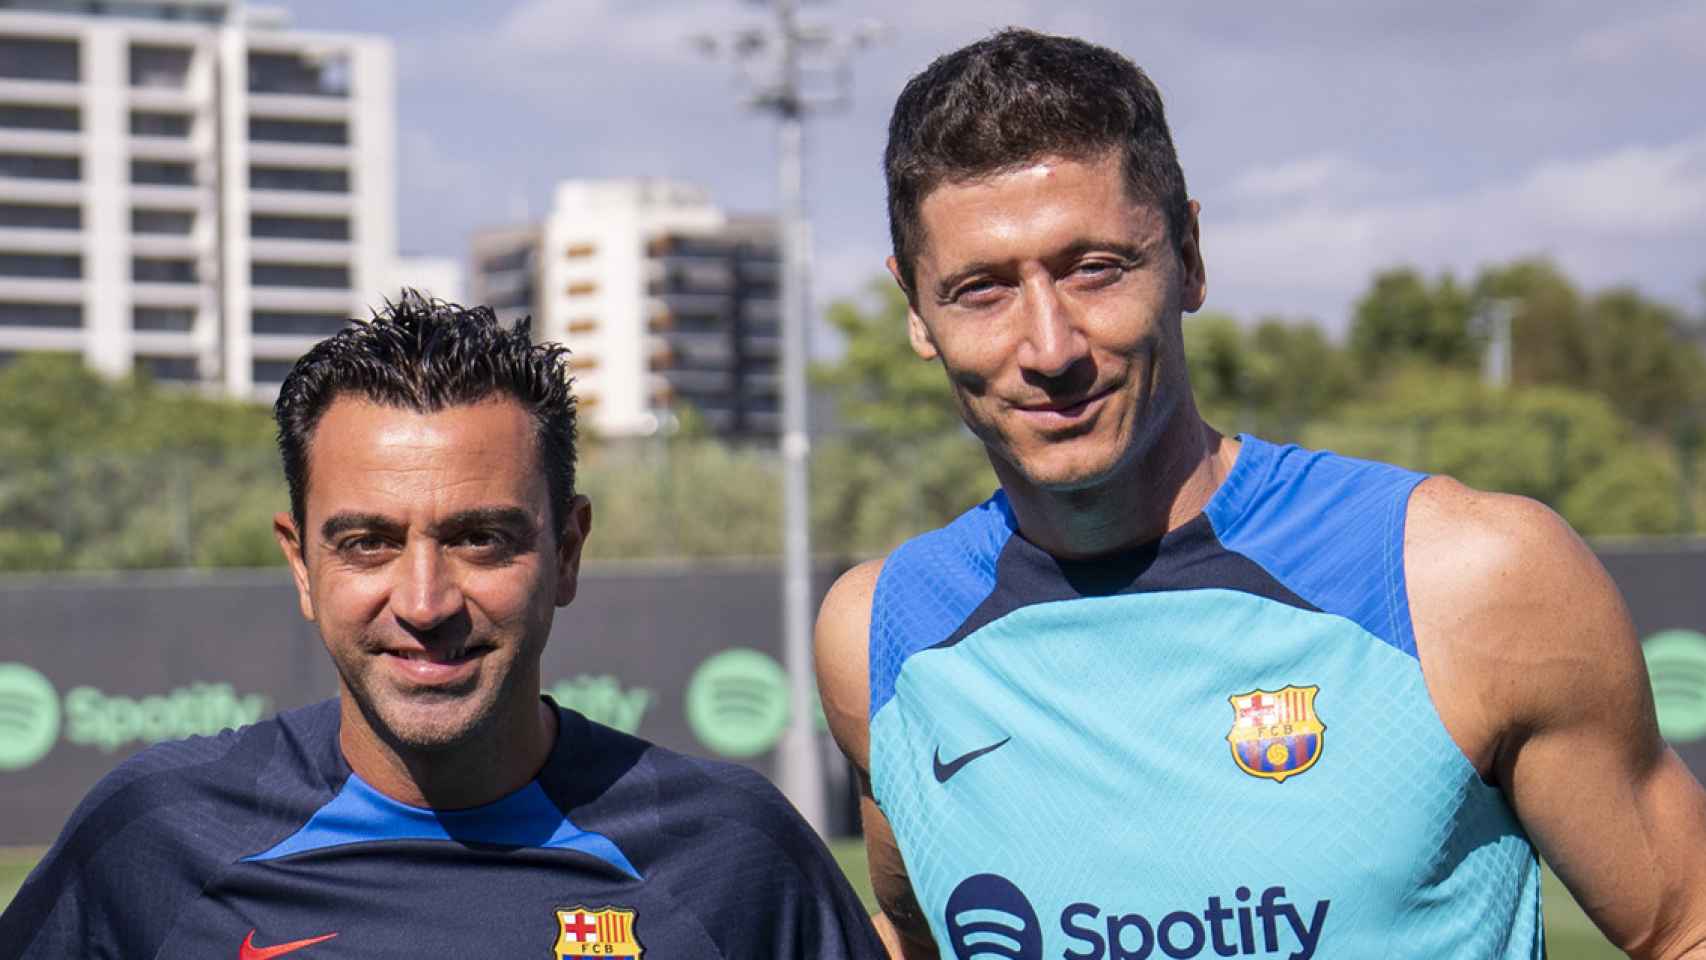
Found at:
<point>905,462</point>
<point>1642,362</point>
<point>99,474</point>
<point>1405,319</point>
<point>1550,342</point>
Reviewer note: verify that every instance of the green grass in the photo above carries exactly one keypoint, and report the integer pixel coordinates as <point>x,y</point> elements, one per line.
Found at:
<point>1569,933</point>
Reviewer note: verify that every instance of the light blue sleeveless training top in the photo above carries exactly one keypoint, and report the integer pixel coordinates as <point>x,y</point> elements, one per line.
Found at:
<point>1215,745</point>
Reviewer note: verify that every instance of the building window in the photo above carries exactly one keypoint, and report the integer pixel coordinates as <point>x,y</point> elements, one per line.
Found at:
<point>21,117</point>
<point>40,217</point>
<point>182,369</point>
<point>586,401</point>
<point>299,228</point>
<point>41,266</point>
<point>166,67</point>
<point>318,180</point>
<point>171,319</point>
<point>152,123</point>
<point>579,250</point>
<point>280,323</point>
<point>28,59</point>
<point>517,259</point>
<point>271,371</point>
<point>33,167</point>
<point>579,364</point>
<point>162,270</point>
<point>583,288</point>
<point>299,275</point>
<point>162,173</point>
<point>583,325</point>
<point>176,223</point>
<point>273,130</point>
<point>294,73</point>
<point>61,315</point>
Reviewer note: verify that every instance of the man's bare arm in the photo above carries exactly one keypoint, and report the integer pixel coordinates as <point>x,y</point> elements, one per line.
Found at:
<point>843,679</point>
<point>1531,657</point>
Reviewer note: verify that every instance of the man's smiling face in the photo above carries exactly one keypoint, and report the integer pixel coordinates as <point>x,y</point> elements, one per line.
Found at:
<point>431,568</point>
<point>1053,299</point>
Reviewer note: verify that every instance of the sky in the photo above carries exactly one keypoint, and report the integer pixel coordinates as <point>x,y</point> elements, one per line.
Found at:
<point>1325,140</point>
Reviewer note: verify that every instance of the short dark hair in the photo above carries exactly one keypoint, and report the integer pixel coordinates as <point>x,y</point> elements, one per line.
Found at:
<point>426,355</point>
<point>1013,98</point>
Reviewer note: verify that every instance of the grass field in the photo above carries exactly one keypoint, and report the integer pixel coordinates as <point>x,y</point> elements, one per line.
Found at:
<point>1569,933</point>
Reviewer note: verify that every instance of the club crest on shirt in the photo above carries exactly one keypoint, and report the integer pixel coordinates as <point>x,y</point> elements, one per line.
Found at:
<point>1275,733</point>
<point>605,932</point>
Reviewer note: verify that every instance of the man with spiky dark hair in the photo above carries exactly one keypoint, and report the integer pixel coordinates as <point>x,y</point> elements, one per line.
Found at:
<point>439,805</point>
<point>1173,693</point>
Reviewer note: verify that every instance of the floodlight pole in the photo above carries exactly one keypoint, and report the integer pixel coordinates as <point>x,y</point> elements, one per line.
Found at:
<point>799,764</point>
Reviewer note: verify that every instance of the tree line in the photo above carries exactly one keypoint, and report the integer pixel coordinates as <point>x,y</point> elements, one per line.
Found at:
<point>1604,419</point>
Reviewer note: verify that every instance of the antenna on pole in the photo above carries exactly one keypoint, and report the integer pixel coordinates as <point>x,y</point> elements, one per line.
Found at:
<point>791,68</point>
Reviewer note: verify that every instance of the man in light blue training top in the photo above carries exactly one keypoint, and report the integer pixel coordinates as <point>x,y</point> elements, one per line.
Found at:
<point>1174,694</point>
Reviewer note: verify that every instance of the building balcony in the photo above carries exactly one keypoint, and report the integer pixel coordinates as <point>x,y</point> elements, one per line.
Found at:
<point>171,197</point>
<point>28,190</point>
<point>301,251</point>
<point>45,93</point>
<point>171,294</point>
<point>31,339</point>
<point>35,240</point>
<point>275,346</point>
<point>302,154</point>
<point>172,99</point>
<point>36,290</point>
<point>305,300</point>
<point>165,343</point>
<point>299,106</point>
<point>167,245</point>
<point>715,382</point>
<point>299,202</point>
<point>168,148</point>
<point>57,142</point>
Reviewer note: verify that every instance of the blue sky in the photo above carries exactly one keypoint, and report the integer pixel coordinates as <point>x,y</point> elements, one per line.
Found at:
<point>1325,140</point>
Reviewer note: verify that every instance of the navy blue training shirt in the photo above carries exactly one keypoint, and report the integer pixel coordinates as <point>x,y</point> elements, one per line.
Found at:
<point>262,842</point>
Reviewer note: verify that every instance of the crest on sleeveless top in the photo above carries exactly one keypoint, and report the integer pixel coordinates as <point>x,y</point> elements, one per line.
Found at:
<point>607,932</point>
<point>1275,733</point>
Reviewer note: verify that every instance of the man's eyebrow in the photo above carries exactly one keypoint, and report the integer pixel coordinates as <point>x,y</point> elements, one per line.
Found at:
<point>345,522</point>
<point>513,519</point>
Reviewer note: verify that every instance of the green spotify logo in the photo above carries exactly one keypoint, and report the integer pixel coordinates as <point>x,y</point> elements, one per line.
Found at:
<point>29,716</point>
<point>737,702</point>
<point>1676,661</point>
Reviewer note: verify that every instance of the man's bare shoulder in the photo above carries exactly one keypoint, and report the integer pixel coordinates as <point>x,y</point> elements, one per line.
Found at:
<point>1512,613</point>
<point>842,649</point>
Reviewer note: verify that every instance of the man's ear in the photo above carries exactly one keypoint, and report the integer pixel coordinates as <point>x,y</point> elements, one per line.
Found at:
<point>1193,291</point>
<point>290,541</point>
<point>571,540</point>
<point>916,331</point>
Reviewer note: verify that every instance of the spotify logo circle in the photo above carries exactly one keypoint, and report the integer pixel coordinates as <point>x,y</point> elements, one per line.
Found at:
<point>737,702</point>
<point>29,716</point>
<point>1676,661</point>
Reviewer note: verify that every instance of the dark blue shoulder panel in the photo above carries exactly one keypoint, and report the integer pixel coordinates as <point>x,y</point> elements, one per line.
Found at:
<point>1330,528</point>
<point>929,585</point>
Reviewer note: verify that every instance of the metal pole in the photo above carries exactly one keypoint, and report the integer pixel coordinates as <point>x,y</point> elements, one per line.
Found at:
<point>799,765</point>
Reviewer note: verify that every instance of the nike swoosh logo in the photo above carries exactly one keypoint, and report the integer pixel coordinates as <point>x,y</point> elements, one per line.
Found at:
<point>946,770</point>
<point>251,952</point>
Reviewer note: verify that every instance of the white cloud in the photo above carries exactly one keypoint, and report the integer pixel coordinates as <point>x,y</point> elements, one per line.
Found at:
<point>1633,214</point>
<point>1318,175</point>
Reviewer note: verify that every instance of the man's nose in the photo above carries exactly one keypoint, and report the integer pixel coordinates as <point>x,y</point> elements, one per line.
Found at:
<point>1052,340</point>
<point>426,593</point>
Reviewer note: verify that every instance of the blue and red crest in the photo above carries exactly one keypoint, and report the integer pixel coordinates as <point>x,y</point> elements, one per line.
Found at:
<point>1275,733</point>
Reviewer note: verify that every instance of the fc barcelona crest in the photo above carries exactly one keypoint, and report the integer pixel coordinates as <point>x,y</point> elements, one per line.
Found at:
<point>1275,733</point>
<point>607,932</point>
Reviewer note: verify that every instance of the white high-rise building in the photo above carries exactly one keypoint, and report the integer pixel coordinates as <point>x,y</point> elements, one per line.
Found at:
<point>664,301</point>
<point>189,186</point>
